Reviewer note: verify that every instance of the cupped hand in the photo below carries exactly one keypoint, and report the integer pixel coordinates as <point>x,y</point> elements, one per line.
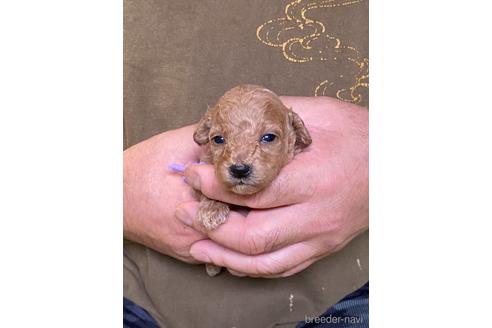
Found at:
<point>317,204</point>
<point>152,192</point>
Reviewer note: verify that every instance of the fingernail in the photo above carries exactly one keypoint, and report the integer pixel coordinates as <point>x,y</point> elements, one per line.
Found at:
<point>202,257</point>
<point>193,179</point>
<point>184,217</point>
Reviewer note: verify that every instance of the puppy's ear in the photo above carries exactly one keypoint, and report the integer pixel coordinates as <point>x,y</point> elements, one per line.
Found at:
<point>303,139</point>
<point>201,133</point>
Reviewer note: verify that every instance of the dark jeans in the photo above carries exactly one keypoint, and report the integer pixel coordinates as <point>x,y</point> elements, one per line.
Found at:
<point>136,317</point>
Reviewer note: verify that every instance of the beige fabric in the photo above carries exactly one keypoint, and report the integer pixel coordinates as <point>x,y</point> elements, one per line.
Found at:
<point>179,57</point>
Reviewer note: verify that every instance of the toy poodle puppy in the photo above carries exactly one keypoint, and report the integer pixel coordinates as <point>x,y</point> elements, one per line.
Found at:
<point>249,135</point>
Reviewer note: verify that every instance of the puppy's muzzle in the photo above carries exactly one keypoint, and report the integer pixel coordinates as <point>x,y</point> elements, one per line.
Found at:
<point>240,170</point>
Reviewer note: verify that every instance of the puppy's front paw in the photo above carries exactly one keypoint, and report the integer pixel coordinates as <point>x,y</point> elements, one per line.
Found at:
<point>211,213</point>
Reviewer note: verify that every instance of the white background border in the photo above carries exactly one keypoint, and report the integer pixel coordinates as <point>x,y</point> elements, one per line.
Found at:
<point>61,163</point>
<point>60,169</point>
<point>430,164</point>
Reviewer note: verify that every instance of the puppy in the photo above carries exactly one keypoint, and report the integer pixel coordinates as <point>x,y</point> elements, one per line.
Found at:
<point>249,135</point>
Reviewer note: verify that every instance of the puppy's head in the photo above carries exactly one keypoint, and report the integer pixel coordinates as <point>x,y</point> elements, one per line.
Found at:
<point>250,135</point>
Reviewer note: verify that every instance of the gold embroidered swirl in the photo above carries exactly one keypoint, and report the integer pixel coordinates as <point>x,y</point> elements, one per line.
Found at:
<point>304,39</point>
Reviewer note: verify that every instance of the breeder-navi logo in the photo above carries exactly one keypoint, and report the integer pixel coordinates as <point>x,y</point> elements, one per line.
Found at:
<point>333,319</point>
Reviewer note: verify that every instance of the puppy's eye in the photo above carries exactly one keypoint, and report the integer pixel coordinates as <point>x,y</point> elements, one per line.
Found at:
<point>218,139</point>
<point>268,137</point>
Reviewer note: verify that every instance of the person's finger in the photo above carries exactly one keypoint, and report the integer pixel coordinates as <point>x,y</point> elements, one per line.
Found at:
<point>240,233</point>
<point>290,187</point>
<point>264,265</point>
<point>237,273</point>
<point>284,274</point>
<point>295,269</point>
<point>177,246</point>
<point>262,231</point>
<point>310,261</point>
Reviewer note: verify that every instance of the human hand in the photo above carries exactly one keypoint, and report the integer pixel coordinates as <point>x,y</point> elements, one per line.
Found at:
<point>152,192</point>
<point>317,204</point>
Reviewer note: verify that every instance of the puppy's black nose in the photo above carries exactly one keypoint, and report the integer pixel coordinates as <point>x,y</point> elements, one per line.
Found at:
<point>240,170</point>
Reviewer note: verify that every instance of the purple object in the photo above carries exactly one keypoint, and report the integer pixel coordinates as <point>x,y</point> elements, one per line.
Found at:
<point>176,167</point>
<point>180,168</point>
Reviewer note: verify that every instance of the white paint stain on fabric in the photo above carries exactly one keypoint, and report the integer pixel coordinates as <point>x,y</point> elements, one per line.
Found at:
<point>291,302</point>
<point>358,263</point>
